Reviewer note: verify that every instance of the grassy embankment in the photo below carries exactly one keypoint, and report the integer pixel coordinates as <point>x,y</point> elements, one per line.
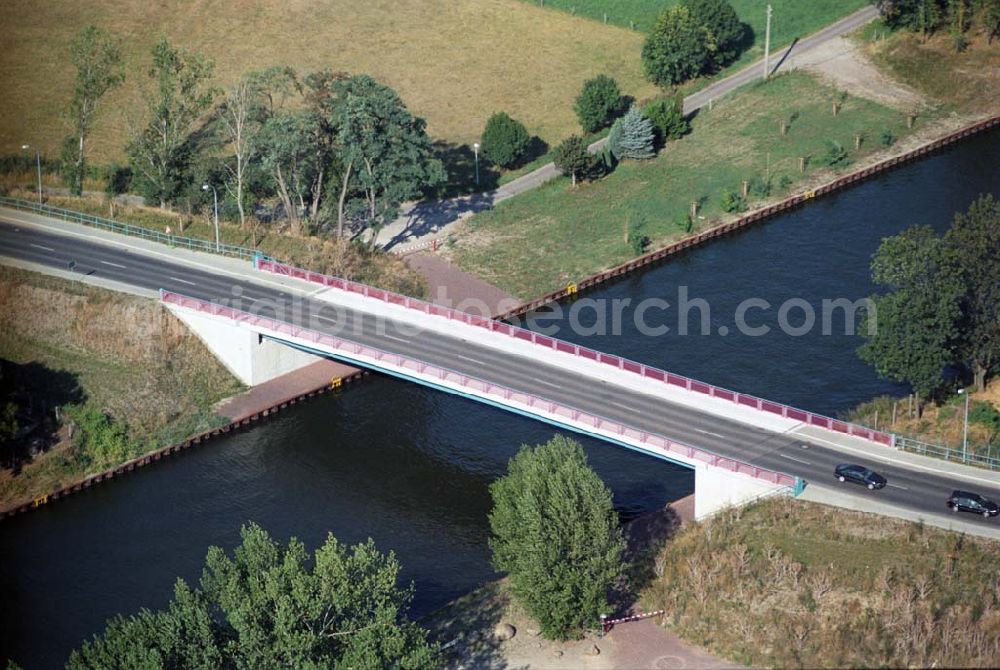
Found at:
<point>793,584</point>
<point>453,63</point>
<point>320,254</point>
<point>554,235</point>
<point>65,343</point>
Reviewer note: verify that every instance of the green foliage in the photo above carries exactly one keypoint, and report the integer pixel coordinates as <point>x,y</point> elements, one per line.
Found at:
<point>598,104</point>
<point>684,223</point>
<point>760,186</point>
<point>572,158</point>
<point>836,155</point>
<point>732,202</point>
<point>632,136</point>
<point>555,532</point>
<point>985,414</point>
<point>638,241</point>
<point>505,140</point>
<point>272,606</point>
<point>667,117</point>
<point>923,16</point>
<point>785,181</point>
<point>97,57</point>
<point>677,49</point>
<point>101,440</point>
<point>161,149</point>
<point>887,138</point>
<point>726,32</point>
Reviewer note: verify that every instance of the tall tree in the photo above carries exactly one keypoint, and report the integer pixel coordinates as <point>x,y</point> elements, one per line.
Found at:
<point>572,158</point>
<point>504,140</point>
<point>555,532</point>
<point>914,331</point>
<point>274,606</point>
<point>97,57</point>
<point>289,160</point>
<point>632,136</point>
<point>242,116</point>
<point>972,251</point>
<point>384,149</point>
<point>727,33</point>
<point>160,149</point>
<point>677,49</point>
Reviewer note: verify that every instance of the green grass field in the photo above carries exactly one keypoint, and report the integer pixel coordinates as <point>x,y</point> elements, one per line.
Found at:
<point>554,235</point>
<point>454,63</point>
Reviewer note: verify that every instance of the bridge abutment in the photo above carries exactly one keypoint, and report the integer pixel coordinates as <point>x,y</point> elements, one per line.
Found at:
<point>716,489</point>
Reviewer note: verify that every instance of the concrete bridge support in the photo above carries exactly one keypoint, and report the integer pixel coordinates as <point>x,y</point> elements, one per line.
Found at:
<point>716,489</point>
<point>252,358</point>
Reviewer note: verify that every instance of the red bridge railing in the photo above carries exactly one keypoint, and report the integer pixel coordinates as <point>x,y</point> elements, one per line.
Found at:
<point>538,405</point>
<point>649,372</point>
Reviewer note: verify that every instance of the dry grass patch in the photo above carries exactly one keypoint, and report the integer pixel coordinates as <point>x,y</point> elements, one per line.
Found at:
<point>454,63</point>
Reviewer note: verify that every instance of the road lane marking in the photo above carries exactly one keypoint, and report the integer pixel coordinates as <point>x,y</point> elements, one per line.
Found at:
<point>183,281</point>
<point>393,337</point>
<point>792,458</point>
<point>631,409</point>
<point>477,362</point>
<point>547,383</point>
<point>114,265</point>
<point>708,432</point>
<point>897,486</point>
<point>39,246</point>
<point>325,318</point>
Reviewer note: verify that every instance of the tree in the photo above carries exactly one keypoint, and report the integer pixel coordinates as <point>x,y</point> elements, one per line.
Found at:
<point>991,18</point>
<point>972,251</point>
<point>504,140</point>
<point>271,606</point>
<point>667,117</point>
<point>160,150</point>
<point>555,532</point>
<point>631,136</point>
<point>288,160</point>
<point>598,104</point>
<point>923,16</point>
<point>384,148</point>
<point>677,49</point>
<point>242,117</point>
<point>572,158</point>
<point>97,57</point>
<point>726,32</point>
<point>916,322</point>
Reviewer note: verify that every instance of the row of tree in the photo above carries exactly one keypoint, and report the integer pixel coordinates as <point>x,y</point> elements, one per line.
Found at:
<point>335,149</point>
<point>929,16</point>
<point>942,307</point>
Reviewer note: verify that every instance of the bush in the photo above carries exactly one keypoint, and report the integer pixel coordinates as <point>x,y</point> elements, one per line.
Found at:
<point>667,117</point>
<point>785,181</point>
<point>985,414</point>
<point>760,186</point>
<point>598,104</point>
<point>684,223</point>
<point>723,25</point>
<point>101,440</point>
<point>555,532</point>
<point>676,50</point>
<point>637,239</point>
<point>631,136</point>
<point>836,154</point>
<point>732,202</point>
<point>504,140</point>
<point>572,158</point>
<point>887,137</point>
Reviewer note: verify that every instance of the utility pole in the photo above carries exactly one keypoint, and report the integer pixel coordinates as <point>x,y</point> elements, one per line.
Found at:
<point>767,45</point>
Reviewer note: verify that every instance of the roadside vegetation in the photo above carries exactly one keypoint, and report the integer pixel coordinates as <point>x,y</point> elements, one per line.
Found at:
<point>274,605</point>
<point>96,378</point>
<point>554,235</point>
<point>785,583</point>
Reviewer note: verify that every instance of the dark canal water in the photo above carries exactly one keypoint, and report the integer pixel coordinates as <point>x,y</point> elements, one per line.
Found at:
<point>410,467</point>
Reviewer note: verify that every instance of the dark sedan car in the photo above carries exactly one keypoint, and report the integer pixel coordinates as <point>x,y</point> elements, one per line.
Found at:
<point>847,472</point>
<point>963,501</point>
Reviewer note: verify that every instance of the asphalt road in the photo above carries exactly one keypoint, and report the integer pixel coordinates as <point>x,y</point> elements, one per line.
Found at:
<point>911,489</point>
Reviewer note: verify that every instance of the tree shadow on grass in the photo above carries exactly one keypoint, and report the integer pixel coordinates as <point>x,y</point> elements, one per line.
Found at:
<point>460,164</point>
<point>36,390</point>
<point>464,629</point>
<point>645,537</point>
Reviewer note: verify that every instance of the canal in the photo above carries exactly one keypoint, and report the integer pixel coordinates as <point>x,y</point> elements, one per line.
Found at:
<point>410,467</point>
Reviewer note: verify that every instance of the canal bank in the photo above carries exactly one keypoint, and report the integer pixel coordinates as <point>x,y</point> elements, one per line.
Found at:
<point>411,468</point>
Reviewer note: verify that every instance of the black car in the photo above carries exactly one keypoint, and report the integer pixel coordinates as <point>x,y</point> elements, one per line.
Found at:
<point>963,501</point>
<point>847,472</point>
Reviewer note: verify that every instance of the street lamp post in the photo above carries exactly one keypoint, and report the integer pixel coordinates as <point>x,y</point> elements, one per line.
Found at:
<point>965,427</point>
<point>38,169</point>
<point>215,200</point>
<point>475,149</point>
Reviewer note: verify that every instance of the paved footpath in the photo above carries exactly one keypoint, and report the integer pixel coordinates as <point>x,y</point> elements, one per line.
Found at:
<point>421,223</point>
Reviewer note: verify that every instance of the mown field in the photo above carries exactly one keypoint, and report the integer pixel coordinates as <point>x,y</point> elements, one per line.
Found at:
<point>792,584</point>
<point>454,63</point>
<point>554,235</point>
<point>67,343</point>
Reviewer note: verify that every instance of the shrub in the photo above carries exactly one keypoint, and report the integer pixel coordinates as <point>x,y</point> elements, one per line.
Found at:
<point>732,202</point>
<point>101,440</point>
<point>677,48</point>
<point>785,181</point>
<point>598,104</point>
<point>631,136</point>
<point>667,117</point>
<point>572,158</point>
<point>727,33</point>
<point>760,186</point>
<point>684,223</point>
<point>504,140</point>
<point>986,415</point>
<point>638,241</point>
<point>555,532</point>
<point>836,154</point>
<point>887,137</point>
